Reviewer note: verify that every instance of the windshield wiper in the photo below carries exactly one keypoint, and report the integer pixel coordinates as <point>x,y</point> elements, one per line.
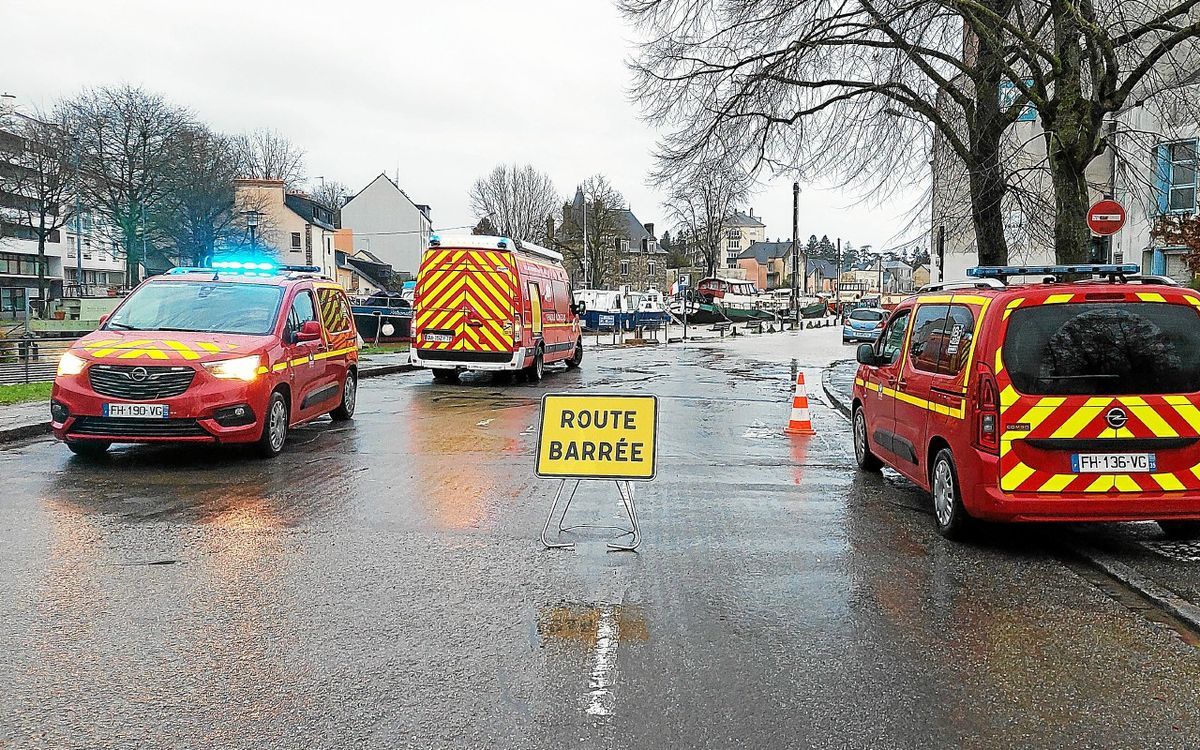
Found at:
<point>124,327</point>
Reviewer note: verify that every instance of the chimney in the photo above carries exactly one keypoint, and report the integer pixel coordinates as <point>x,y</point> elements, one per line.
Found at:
<point>8,103</point>
<point>650,229</point>
<point>752,213</point>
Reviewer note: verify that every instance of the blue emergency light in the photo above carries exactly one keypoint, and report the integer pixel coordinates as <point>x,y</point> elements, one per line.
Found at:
<point>1000,272</point>
<point>244,268</point>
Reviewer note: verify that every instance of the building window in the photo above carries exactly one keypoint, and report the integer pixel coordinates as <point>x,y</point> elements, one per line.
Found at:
<point>296,240</point>
<point>650,268</point>
<point>625,267</point>
<point>623,246</point>
<point>733,244</point>
<point>1180,173</point>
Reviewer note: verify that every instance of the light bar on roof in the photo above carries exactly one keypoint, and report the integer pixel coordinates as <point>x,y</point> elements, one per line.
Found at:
<point>1000,272</point>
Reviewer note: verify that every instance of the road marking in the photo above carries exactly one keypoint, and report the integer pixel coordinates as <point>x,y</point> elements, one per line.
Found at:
<point>599,695</point>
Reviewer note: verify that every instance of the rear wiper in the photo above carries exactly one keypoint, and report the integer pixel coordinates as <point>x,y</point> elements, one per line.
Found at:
<point>1075,377</point>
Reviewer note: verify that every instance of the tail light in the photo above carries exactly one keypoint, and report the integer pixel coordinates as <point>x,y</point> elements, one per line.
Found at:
<point>987,410</point>
<point>517,328</point>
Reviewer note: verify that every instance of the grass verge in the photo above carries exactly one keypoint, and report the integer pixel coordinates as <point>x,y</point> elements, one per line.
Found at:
<point>22,392</point>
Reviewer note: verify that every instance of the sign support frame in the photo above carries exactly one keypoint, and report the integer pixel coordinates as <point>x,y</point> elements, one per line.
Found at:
<point>627,501</point>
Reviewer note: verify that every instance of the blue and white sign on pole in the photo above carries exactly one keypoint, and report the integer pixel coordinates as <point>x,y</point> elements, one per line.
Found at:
<point>1009,93</point>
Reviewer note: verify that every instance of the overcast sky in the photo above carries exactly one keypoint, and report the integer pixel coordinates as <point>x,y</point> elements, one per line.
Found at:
<point>436,92</point>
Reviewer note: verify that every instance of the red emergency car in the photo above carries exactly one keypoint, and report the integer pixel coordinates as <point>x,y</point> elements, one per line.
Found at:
<point>1046,401</point>
<point>236,353</point>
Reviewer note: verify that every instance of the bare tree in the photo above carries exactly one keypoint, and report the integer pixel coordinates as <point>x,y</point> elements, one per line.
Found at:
<point>130,157</point>
<point>595,221</point>
<point>268,155</point>
<point>199,212</point>
<point>38,177</point>
<point>702,202</point>
<point>333,195</point>
<point>517,200</point>
<point>814,89</point>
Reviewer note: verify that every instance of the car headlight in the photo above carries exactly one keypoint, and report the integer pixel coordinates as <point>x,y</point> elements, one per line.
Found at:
<point>242,368</point>
<point>69,364</point>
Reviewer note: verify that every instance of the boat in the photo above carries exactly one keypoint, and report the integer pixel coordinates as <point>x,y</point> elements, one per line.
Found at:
<point>816,310</point>
<point>719,299</point>
<point>385,317</point>
<point>606,309</point>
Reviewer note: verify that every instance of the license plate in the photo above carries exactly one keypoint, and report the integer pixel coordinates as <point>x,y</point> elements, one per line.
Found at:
<point>1112,463</point>
<point>137,411</point>
<point>439,338</point>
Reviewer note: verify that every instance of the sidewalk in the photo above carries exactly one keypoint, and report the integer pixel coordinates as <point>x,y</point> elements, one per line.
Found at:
<point>838,382</point>
<point>19,421</point>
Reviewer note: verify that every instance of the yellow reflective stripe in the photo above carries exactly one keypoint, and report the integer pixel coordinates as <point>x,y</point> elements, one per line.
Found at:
<point>336,352</point>
<point>1103,483</point>
<point>1149,417</point>
<point>280,367</point>
<point>1014,478</point>
<point>1081,418</point>
<point>1186,409</point>
<point>1125,483</point>
<point>209,347</point>
<point>1012,305</point>
<point>1056,299</point>
<point>1150,297</point>
<point>299,361</point>
<point>859,381</point>
<point>135,353</point>
<point>1168,482</point>
<point>262,370</point>
<point>184,350</point>
<point>1056,483</point>
<point>1008,397</point>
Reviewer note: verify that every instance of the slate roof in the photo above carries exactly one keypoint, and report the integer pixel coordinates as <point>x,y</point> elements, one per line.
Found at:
<point>313,212</point>
<point>629,226</point>
<point>740,219</point>
<point>765,251</point>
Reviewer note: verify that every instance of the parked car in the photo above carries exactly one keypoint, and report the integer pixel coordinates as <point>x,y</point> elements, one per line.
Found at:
<point>863,324</point>
<point>236,353</point>
<point>1063,401</point>
<point>493,304</point>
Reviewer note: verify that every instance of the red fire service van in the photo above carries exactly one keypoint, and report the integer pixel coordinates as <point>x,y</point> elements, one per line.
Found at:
<point>492,303</point>
<point>234,353</point>
<point>1045,401</point>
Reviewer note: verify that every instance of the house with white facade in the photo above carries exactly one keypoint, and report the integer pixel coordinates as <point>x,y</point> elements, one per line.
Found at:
<point>742,231</point>
<point>388,224</point>
<point>293,228</point>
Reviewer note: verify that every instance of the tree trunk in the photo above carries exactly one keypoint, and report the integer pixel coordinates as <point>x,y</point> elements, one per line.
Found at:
<point>1072,237</point>
<point>987,183</point>
<point>132,271</point>
<point>43,295</point>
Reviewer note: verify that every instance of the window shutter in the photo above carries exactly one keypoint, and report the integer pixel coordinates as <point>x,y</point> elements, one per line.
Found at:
<point>1162,178</point>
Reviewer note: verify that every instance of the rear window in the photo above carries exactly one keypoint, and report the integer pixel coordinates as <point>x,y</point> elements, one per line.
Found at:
<point>866,315</point>
<point>1103,349</point>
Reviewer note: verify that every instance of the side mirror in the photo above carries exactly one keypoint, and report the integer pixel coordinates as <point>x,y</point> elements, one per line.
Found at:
<point>104,319</point>
<point>309,331</point>
<point>866,355</point>
<point>579,308</point>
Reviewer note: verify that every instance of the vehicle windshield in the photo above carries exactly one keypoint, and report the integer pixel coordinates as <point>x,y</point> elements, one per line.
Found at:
<point>200,306</point>
<point>866,315</point>
<point>1103,349</point>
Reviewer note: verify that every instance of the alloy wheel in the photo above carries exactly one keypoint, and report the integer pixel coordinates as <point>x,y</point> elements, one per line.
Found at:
<point>943,493</point>
<point>278,424</point>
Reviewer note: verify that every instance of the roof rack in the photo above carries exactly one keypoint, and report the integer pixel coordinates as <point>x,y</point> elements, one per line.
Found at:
<point>981,283</point>
<point>1145,278</point>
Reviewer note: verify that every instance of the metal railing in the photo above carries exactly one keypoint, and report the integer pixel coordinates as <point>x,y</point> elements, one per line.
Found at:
<point>30,359</point>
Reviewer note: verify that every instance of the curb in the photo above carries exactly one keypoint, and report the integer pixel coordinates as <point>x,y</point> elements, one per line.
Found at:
<point>1160,595</point>
<point>43,428</point>
<point>834,398</point>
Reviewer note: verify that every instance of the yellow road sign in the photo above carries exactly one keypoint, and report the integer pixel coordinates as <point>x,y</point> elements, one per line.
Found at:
<point>598,437</point>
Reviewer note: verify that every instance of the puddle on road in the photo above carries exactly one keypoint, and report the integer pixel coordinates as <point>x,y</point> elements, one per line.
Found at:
<point>600,629</point>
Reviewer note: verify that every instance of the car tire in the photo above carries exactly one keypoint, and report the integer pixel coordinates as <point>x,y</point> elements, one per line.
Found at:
<point>866,460</point>
<point>345,410</point>
<point>275,426</point>
<point>577,357</point>
<point>1180,530</point>
<point>88,448</point>
<point>536,371</point>
<point>443,375</point>
<point>949,514</point>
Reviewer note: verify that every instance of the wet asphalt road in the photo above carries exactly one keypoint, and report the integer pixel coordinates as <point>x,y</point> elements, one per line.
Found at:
<point>380,586</point>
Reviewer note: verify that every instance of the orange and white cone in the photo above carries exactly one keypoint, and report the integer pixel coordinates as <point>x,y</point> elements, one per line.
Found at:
<point>800,422</point>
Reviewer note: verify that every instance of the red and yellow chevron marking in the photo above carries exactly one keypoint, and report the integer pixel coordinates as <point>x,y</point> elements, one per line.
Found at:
<point>470,294</point>
<point>1083,418</point>
<point>158,349</point>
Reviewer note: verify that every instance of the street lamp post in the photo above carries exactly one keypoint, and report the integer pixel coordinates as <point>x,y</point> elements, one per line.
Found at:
<point>252,227</point>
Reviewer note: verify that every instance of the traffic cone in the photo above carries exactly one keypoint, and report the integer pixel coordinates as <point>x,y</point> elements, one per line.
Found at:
<point>800,423</point>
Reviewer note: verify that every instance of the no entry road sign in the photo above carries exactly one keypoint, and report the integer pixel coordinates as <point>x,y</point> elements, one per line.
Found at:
<point>1106,217</point>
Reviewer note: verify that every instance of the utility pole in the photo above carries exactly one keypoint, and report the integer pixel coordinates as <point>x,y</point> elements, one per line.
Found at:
<point>941,252</point>
<point>796,255</point>
<point>837,280</point>
<point>585,252</point>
